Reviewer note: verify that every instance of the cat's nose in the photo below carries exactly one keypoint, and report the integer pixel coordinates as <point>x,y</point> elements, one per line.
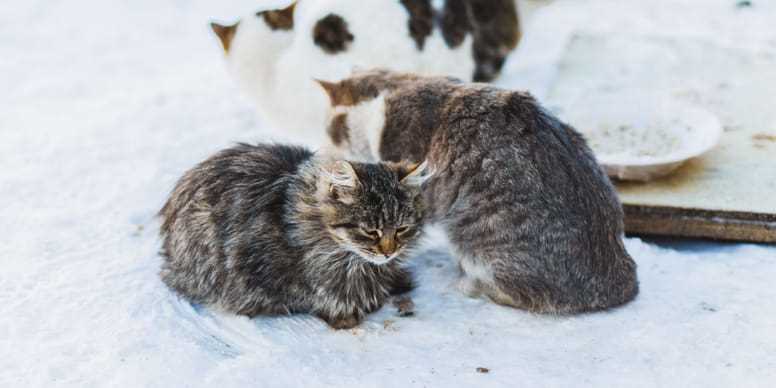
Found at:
<point>387,245</point>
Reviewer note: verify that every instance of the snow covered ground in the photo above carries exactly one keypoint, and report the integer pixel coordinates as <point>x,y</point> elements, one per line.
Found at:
<point>105,103</point>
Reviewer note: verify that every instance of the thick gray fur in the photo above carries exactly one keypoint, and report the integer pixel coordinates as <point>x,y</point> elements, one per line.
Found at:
<point>534,221</point>
<point>272,229</point>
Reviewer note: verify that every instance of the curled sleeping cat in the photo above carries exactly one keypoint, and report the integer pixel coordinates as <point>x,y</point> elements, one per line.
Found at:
<point>274,54</point>
<point>273,229</point>
<point>533,220</point>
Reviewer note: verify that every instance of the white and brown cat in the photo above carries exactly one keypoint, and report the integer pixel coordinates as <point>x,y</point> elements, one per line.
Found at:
<point>275,54</point>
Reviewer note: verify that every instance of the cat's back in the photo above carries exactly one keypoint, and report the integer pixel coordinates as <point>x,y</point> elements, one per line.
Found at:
<point>266,162</point>
<point>239,168</point>
<point>253,180</point>
<point>225,205</point>
<point>247,187</point>
<point>569,167</point>
<point>505,143</point>
<point>513,123</point>
<point>524,171</point>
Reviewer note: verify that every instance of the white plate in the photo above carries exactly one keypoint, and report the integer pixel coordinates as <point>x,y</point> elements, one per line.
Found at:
<point>640,141</point>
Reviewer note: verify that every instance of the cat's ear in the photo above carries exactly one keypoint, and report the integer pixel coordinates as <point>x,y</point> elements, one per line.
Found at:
<point>415,174</point>
<point>225,33</point>
<point>280,19</point>
<point>338,93</point>
<point>342,181</point>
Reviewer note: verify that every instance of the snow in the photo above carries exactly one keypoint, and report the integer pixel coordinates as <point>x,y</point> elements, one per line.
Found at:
<point>106,103</point>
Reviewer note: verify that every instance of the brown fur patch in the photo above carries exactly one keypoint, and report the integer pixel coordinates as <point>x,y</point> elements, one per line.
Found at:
<point>331,34</point>
<point>224,33</point>
<point>339,94</point>
<point>402,168</point>
<point>421,21</point>
<point>338,129</point>
<point>279,19</point>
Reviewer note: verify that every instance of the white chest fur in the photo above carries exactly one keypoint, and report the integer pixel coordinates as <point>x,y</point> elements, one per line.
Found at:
<point>365,122</point>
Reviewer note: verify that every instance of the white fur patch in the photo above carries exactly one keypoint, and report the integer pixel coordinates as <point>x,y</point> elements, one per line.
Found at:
<point>366,122</point>
<point>253,43</point>
<point>477,277</point>
<point>476,270</point>
<point>478,280</point>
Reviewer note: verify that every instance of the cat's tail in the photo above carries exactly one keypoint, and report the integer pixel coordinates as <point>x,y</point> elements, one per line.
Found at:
<point>614,287</point>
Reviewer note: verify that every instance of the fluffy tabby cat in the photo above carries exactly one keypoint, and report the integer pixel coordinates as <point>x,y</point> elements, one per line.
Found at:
<point>274,54</point>
<point>272,229</point>
<point>534,221</point>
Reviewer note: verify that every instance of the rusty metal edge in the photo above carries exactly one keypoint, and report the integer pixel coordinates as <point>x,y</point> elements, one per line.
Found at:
<point>700,223</point>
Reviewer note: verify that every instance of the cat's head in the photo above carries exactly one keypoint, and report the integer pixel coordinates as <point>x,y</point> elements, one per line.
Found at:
<point>357,110</point>
<point>365,84</point>
<point>373,210</point>
<point>357,105</point>
<point>249,43</point>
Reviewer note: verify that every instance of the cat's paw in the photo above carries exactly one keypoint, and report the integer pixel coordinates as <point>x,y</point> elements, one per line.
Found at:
<point>342,323</point>
<point>405,307</point>
<point>469,287</point>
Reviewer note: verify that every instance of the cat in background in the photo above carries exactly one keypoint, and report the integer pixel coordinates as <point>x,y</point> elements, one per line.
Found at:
<point>274,54</point>
<point>533,220</point>
<point>272,229</point>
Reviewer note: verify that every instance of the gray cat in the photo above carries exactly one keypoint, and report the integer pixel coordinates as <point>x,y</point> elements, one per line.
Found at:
<point>272,229</point>
<point>533,220</point>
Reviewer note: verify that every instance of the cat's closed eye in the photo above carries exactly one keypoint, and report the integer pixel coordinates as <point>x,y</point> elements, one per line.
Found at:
<point>372,233</point>
<point>405,232</point>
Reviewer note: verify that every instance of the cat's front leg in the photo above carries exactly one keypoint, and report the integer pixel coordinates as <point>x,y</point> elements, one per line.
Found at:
<point>401,282</point>
<point>400,285</point>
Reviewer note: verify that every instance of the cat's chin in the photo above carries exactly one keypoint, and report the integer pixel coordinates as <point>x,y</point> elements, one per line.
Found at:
<point>377,260</point>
